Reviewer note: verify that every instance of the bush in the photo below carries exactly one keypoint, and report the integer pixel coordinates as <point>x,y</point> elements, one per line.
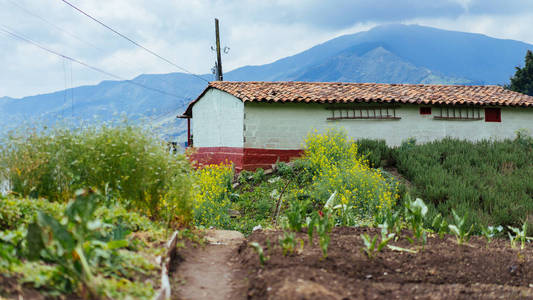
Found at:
<point>16,212</point>
<point>123,161</point>
<point>212,200</point>
<point>491,181</point>
<point>338,166</point>
<point>376,152</point>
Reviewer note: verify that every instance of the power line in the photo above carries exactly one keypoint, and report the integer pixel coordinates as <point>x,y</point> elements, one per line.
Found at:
<point>71,34</point>
<point>52,24</point>
<point>10,32</point>
<point>131,41</point>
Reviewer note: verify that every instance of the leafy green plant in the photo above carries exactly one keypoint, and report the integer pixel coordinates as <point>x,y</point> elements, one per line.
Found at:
<point>288,242</point>
<point>258,175</point>
<point>259,250</point>
<point>392,220</point>
<point>323,226</point>
<point>415,213</point>
<point>310,224</point>
<point>440,225</point>
<point>296,214</point>
<point>284,169</point>
<point>77,245</point>
<point>490,232</point>
<point>9,247</point>
<point>520,235</point>
<point>460,229</point>
<point>371,244</point>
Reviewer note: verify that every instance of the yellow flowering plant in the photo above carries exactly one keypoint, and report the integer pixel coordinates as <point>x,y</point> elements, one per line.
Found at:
<point>336,165</point>
<point>212,201</point>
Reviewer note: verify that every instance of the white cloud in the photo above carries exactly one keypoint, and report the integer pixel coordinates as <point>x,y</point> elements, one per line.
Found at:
<point>257,32</point>
<point>515,27</point>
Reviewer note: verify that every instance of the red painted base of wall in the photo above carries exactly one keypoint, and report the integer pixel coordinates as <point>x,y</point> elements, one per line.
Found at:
<point>243,158</point>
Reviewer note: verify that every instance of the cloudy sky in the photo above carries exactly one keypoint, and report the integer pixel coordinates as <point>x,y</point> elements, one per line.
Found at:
<point>256,31</point>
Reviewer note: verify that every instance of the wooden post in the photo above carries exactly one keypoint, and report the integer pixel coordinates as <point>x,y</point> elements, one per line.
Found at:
<point>189,140</point>
<point>220,77</point>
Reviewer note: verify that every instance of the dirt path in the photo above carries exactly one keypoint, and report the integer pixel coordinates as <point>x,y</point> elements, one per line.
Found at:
<point>210,272</point>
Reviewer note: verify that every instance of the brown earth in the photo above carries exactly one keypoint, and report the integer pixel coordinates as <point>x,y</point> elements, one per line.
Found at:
<point>211,271</point>
<point>442,270</point>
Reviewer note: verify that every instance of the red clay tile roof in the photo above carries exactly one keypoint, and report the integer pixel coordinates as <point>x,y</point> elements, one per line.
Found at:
<point>337,92</point>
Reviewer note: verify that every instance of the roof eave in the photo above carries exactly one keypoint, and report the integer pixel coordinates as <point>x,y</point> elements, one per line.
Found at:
<point>188,111</point>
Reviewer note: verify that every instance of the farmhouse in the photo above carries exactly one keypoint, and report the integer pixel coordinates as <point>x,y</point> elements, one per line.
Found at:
<point>255,124</point>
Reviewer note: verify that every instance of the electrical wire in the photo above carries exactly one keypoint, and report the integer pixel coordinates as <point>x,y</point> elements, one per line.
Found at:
<point>14,35</point>
<point>132,41</point>
<point>71,34</point>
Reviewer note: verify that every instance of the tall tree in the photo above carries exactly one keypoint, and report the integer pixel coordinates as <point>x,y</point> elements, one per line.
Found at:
<point>522,81</point>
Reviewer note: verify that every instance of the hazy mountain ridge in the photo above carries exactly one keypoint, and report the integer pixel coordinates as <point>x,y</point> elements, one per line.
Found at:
<point>386,54</point>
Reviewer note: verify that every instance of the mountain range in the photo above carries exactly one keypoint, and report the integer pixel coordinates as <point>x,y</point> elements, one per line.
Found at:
<point>384,54</point>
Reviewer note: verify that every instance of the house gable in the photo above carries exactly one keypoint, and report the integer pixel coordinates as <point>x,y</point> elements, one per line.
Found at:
<point>218,120</point>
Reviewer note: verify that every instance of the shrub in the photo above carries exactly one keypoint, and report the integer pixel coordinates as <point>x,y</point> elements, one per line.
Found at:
<point>490,181</point>
<point>123,161</point>
<point>15,212</point>
<point>337,166</point>
<point>376,152</point>
<point>212,200</point>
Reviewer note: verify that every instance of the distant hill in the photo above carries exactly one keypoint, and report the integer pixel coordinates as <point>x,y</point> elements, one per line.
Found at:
<point>386,54</point>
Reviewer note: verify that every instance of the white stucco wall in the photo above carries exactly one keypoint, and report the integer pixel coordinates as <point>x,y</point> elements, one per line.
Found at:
<point>285,126</point>
<point>217,120</point>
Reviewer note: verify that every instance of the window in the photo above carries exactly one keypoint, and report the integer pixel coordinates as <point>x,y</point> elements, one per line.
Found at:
<point>458,113</point>
<point>363,113</point>
<point>493,115</point>
<point>425,110</point>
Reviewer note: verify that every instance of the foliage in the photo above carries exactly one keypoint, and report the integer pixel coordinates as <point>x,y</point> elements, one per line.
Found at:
<point>392,220</point>
<point>371,244</point>
<point>491,181</point>
<point>522,81</point>
<point>460,229</point>
<point>288,242</point>
<point>490,232</point>
<point>122,160</point>
<point>10,248</point>
<point>440,225</point>
<point>337,166</point>
<point>520,235</point>
<point>259,250</point>
<point>76,247</point>
<point>323,225</point>
<point>15,212</point>
<point>376,152</point>
<point>212,200</point>
<point>54,235</point>
<point>296,215</point>
<point>415,213</point>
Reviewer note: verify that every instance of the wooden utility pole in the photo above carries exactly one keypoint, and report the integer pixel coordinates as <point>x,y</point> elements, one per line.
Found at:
<point>220,77</point>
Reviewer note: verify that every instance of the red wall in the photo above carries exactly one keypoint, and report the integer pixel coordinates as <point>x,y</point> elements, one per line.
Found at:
<point>243,158</point>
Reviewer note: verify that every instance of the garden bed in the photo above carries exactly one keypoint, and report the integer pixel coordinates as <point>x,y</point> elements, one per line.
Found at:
<point>443,269</point>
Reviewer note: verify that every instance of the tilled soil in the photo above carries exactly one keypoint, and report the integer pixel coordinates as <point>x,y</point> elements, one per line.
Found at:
<point>442,270</point>
<point>209,272</point>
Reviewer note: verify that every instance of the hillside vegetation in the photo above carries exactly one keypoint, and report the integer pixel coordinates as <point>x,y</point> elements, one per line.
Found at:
<point>490,181</point>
